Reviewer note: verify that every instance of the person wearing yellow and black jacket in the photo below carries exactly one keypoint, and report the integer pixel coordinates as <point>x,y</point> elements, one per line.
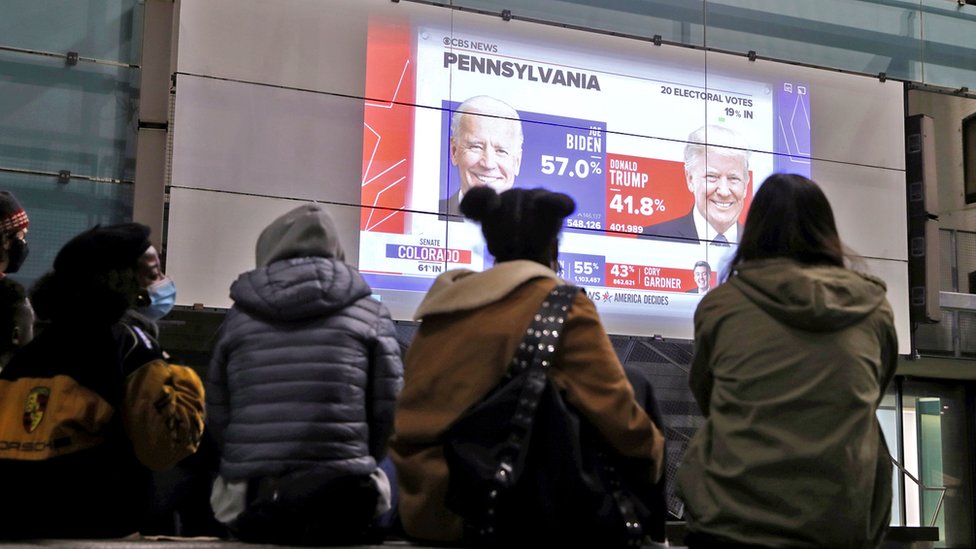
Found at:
<point>81,427</point>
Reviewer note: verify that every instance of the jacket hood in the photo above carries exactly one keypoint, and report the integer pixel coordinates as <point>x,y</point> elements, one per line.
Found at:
<point>463,290</point>
<point>300,288</point>
<point>306,231</point>
<point>811,298</point>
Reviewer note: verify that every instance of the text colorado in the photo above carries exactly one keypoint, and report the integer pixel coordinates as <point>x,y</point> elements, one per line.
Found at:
<point>426,253</point>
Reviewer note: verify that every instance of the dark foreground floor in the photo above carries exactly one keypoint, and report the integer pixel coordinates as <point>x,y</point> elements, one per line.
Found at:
<point>897,538</point>
<point>188,543</point>
<point>165,543</point>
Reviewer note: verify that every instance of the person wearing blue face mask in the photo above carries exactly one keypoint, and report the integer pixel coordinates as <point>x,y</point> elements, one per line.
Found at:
<point>160,289</point>
<point>155,299</point>
<point>180,497</point>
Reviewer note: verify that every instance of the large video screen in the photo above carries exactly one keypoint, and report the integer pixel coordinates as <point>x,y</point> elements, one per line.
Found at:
<point>387,113</point>
<point>611,131</point>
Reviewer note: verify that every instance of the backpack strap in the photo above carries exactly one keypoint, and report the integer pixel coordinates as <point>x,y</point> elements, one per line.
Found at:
<point>535,355</point>
<point>533,358</point>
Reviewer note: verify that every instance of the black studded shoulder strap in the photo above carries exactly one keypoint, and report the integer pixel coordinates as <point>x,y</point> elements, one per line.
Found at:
<point>533,357</point>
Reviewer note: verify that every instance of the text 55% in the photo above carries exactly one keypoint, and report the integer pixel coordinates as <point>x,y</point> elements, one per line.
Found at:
<point>586,268</point>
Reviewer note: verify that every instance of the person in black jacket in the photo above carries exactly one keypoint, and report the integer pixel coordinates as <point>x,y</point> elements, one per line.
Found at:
<point>13,234</point>
<point>83,421</point>
<point>300,392</point>
<point>16,319</point>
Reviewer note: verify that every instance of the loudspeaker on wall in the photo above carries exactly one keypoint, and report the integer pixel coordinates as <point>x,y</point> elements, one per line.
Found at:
<point>923,223</point>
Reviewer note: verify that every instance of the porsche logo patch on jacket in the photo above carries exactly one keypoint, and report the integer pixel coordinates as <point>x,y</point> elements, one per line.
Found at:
<point>56,416</point>
<point>35,407</point>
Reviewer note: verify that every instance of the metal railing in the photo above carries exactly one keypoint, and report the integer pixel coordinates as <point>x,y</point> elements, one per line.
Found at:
<point>923,486</point>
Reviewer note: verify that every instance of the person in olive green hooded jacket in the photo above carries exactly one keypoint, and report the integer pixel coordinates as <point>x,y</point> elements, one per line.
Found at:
<point>792,356</point>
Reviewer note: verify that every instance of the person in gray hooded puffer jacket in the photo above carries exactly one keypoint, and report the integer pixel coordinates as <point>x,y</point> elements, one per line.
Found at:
<point>301,390</point>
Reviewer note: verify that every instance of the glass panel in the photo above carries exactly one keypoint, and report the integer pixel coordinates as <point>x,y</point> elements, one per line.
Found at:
<point>936,418</point>
<point>852,189</point>
<point>554,71</point>
<point>667,364</point>
<point>55,117</point>
<point>930,455</point>
<point>204,271</point>
<point>265,140</point>
<point>843,117</point>
<point>895,275</point>
<point>966,257</point>
<point>910,440</point>
<point>949,49</point>
<point>674,20</point>
<point>936,338</point>
<point>58,212</point>
<point>946,255</point>
<point>308,44</point>
<point>967,334</point>
<point>865,37</point>
<point>109,30</point>
<point>887,418</point>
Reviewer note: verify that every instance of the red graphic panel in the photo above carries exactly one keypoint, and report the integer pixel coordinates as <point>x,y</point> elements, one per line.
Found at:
<point>647,191</point>
<point>746,203</point>
<point>642,277</point>
<point>387,128</point>
<point>644,191</point>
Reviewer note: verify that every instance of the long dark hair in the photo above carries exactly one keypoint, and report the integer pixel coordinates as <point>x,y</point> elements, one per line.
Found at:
<point>790,217</point>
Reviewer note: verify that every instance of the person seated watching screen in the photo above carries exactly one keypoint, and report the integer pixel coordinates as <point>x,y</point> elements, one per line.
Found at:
<point>792,354</point>
<point>16,319</point>
<point>471,325</point>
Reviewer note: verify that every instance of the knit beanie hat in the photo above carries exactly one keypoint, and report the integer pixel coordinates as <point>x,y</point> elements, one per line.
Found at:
<point>518,223</point>
<point>100,250</point>
<point>12,215</point>
<point>306,231</point>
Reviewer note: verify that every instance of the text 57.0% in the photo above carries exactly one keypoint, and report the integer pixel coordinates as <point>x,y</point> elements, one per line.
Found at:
<point>557,165</point>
